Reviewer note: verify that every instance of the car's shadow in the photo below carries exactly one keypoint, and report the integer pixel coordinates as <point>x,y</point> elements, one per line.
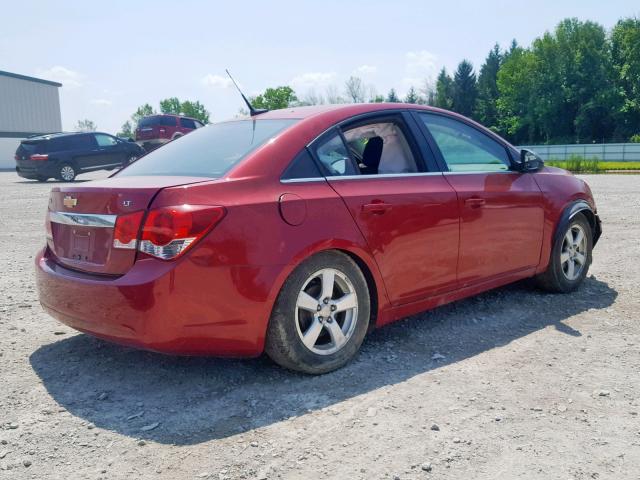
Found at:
<point>197,399</point>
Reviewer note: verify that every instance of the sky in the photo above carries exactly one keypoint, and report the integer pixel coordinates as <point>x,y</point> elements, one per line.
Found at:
<point>113,56</point>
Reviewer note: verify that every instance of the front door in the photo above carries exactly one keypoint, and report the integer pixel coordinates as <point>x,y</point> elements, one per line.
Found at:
<point>501,212</point>
<point>408,217</point>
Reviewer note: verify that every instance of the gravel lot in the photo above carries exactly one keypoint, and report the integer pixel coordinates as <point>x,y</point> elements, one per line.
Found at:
<point>514,383</point>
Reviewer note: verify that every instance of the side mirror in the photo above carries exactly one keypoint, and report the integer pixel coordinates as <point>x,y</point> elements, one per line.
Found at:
<point>530,161</point>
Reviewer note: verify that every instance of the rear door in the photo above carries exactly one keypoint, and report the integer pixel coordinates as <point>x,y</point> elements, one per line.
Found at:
<point>405,209</point>
<point>84,151</point>
<point>500,210</point>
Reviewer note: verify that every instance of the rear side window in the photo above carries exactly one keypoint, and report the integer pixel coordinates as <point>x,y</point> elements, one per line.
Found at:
<point>83,142</point>
<point>187,123</point>
<point>149,121</point>
<point>302,166</point>
<point>210,151</point>
<point>168,121</point>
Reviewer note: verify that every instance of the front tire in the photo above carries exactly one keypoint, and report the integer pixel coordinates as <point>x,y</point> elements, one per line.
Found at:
<point>321,315</point>
<point>570,258</point>
<point>67,173</point>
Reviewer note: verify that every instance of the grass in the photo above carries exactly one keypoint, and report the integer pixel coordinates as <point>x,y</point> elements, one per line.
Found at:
<point>579,164</point>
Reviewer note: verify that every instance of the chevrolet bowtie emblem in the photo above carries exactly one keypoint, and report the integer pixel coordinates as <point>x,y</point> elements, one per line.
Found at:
<point>69,201</point>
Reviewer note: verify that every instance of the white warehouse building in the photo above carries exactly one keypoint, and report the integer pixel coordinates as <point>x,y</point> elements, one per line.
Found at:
<point>28,106</point>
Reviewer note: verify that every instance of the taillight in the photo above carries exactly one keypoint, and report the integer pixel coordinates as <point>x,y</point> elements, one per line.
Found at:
<point>125,233</point>
<point>169,231</point>
<point>38,156</point>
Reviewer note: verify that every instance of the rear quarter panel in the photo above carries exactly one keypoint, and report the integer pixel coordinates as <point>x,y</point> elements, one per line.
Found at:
<point>261,249</point>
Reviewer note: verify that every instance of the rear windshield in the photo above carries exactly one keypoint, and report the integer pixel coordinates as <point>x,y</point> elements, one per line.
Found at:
<point>210,151</point>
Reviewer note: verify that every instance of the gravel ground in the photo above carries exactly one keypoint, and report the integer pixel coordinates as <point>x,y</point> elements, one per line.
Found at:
<point>514,383</point>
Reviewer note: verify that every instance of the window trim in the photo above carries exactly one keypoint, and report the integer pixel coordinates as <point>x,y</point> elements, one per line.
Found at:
<point>436,149</point>
<point>401,118</point>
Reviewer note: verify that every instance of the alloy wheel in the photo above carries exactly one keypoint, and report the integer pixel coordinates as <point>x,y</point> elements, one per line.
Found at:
<point>67,173</point>
<point>326,311</point>
<point>573,255</point>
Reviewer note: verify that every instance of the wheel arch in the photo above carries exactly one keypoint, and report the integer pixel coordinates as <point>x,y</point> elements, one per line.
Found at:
<point>570,211</point>
<point>366,264</point>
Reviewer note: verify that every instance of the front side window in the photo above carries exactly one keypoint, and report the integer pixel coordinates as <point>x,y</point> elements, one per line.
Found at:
<point>210,151</point>
<point>333,155</point>
<point>381,148</point>
<point>464,148</point>
<point>105,140</point>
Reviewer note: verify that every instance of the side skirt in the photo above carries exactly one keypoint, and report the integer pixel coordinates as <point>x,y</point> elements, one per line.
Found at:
<point>396,313</point>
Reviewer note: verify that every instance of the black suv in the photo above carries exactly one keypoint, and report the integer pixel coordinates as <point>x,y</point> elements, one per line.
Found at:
<point>65,155</point>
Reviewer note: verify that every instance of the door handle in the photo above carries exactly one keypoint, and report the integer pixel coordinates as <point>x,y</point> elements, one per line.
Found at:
<point>376,208</point>
<point>475,202</point>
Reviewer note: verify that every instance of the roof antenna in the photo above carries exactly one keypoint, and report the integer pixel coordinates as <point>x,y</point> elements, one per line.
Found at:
<point>252,111</point>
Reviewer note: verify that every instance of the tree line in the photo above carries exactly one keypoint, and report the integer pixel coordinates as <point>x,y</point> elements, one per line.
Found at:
<point>576,84</point>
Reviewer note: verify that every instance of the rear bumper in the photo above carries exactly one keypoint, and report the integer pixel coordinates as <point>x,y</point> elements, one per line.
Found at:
<point>152,143</point>
<point>177,308</point>
<point>34,169</point>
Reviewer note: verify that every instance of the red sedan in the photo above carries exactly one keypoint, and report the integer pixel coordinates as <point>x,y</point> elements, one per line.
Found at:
<point>297,231</point>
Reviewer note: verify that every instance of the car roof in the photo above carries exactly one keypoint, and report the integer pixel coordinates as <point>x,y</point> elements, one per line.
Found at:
<point>49,136</point>
<point>349,109</point>
<point>171,115</point>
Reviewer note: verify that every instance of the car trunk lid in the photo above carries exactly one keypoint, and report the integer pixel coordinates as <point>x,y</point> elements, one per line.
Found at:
<point>82,219</point>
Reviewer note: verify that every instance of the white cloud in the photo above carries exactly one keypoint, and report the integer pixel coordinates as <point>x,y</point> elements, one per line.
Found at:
<point>421,63</point>
<point>366,69</point>
<point>313,79</point>
<point>216,81</point>
<point>103,102</point>
<point>68,78</point>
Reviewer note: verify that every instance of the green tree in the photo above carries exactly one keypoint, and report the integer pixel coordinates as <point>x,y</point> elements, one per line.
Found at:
<point>561,89</point>
<point>86,125</point>
<point>392,96</point>
<point>486,110</point>
<point>625,53</point>
<point>516,102</point>
<point>377,99</point>
<point>142,111</point>
<point>188,108</point>
<point>275,98</point>
<point>126,131</point>
<point>412,96</point>
<point>444,91</point>
<point>195,110</point>
<point>465,90</point>
<point>171,105</point>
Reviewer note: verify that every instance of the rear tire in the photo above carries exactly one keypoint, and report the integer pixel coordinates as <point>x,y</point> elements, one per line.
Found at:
<point>321,315</point>
<point>67,173</point>
<point>570,257</point>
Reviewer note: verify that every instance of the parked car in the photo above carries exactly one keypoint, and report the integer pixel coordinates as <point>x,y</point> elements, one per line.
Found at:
<point>156,130</point>
<point>297,231</point>
<point>66,155</point>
